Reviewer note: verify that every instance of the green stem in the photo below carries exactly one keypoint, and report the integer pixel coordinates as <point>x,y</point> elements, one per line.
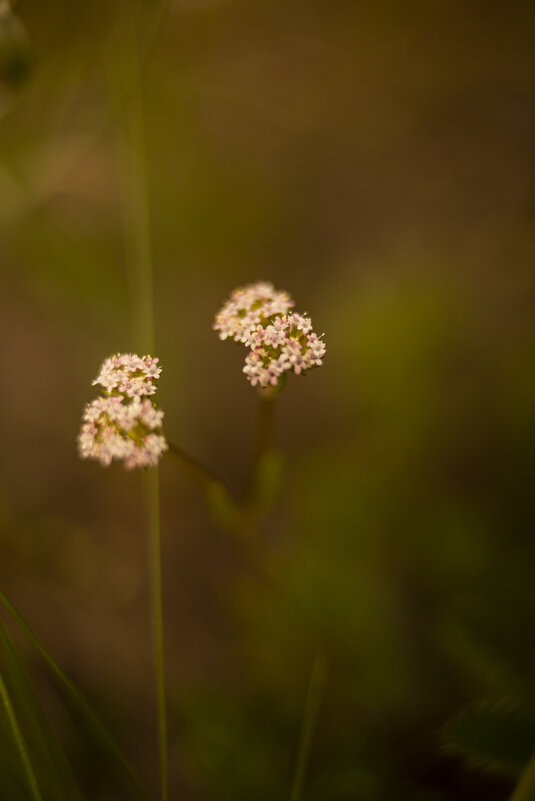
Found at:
<point>155,566</point>
<point>265,468</point>
<point>525,789</point>
<point>239,517</point>
<point>77,695</point>
<point>136,204</point>
<point>19,741</point>
<point>265,429</point>
<point>310,716</point>
<point>227,512</point>
<point>138,238</point>
<point>206,477</point>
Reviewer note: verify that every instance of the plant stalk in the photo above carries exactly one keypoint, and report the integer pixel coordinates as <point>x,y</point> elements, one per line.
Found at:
<point>156,594</point>
<point>138,240</point>
<point>202,474</point>
<point>265,429</point>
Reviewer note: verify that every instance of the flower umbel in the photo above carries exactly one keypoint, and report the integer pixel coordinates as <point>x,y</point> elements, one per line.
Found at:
<point>278,339</point>
<point>248,307</point>
<point>129,374</point>
<point>288,344</point>
<point>124,423</point>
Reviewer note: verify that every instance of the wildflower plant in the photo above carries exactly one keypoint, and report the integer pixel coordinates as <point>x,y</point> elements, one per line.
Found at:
<point>279,340</point>
<point>124,422</point>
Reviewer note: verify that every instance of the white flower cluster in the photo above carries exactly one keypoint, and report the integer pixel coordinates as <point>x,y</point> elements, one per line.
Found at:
<point>124,423</point>
<point>248,307</point>
<point>129,374</point>
<point>279,340</point>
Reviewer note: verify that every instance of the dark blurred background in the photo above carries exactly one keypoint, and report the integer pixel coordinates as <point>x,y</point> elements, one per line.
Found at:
<point>377,161</point>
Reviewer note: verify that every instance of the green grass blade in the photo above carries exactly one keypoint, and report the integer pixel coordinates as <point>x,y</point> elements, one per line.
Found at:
<point>101,732</point>
<point>310,716</point>
<point>53,762</point>
<point>525,789</point>
<point>19,741</point>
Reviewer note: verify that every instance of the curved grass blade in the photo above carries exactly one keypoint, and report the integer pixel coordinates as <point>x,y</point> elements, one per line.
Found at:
<point>55,766</point>
<point>525,789</point>
<point>101,732</point>
<point>19,742</point>
<point>310,716</point>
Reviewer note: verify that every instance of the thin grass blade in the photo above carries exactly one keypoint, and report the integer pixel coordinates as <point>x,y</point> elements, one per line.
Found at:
<point>101,733</point>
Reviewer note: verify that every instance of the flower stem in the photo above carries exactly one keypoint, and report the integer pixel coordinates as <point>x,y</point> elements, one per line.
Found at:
<point>19,741</point>
<point>155,567</point>
<point>138,239</point>
<point>204,475</point>
<point>136,203</point>
<point>265,429</point>
<point>265,470</point>
<point>263,444</point>
<point>310,716</point>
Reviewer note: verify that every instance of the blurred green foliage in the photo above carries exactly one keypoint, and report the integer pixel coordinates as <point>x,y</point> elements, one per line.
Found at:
<point>15,52</point>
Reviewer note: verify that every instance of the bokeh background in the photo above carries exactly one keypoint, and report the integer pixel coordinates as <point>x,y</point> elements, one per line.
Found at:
<point>377,161</point>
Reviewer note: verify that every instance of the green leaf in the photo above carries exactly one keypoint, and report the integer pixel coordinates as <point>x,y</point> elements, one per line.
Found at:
<point>489,641</point>
<point>495,736</point>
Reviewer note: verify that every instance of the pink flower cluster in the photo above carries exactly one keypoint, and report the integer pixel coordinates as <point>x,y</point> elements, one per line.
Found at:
<point>129,374</point>
<point>248,307</point>
<point>124,423</point>
<point>279,340</point>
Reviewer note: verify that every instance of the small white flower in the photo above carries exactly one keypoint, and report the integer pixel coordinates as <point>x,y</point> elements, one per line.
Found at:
<point>279,340</point>
<point>129,374</point>
<point>248,307</point>
<point>303,324</point>
<point>124,424</point>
